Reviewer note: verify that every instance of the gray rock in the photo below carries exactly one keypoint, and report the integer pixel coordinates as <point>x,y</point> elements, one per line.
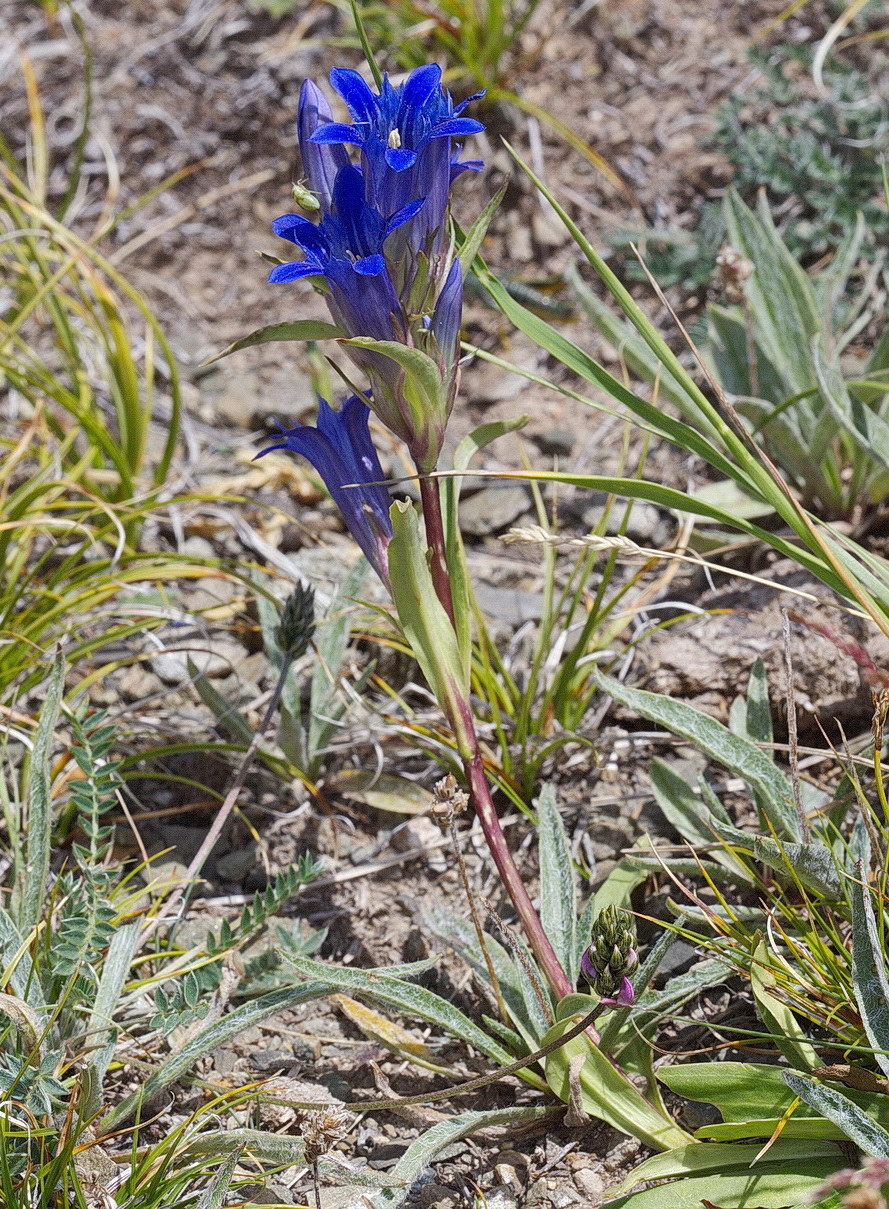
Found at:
<point>137,682</point>
<point>502,1198</point>
<point>433,1196</point>
<point>271,1060</point>
<point>493,509</point>
<point>591,1184</point>
<point>556,442</point>
<point>509,606</point>
<point>198,547</point>
<point>235,865</point>
<point>680,957</point>
<point>214,657</point>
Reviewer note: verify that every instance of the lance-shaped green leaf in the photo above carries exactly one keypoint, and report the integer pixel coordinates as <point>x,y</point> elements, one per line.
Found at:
<point>870,981</point>
<point>717,742</point>
<point>766,1189</point>
<point>854,1122</point>
<point>423,389</point>
<point>302,329</point>
<point>424,621</point>
<point>861,422</point>
<point>700,1158</point>
<point>472,240</point>
<point>606,1093</point>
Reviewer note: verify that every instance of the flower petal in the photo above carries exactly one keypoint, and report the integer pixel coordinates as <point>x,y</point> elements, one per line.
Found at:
<point>338,132</point>
<point>370,266</point>
<point>456,128</point>
<point>420,85</point>
<point>461,166</point>
<point>290,226</point>
<point>362,103</point>
<point>399,158</point>
<point>293,271</point>
<point>405,214</point>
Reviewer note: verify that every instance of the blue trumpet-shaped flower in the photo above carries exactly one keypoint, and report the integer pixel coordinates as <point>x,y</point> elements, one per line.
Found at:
<point>342,452</point>
<point>382,243</point>
<point>346,248</point>
<point>406,139</point>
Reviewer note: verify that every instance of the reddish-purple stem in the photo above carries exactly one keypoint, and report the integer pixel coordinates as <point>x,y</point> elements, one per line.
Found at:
<point>435,539</point>
<point>479,790</point>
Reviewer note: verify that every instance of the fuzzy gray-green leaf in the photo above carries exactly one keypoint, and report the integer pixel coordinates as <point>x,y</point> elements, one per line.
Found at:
<point>717,742</point>
<point>420,1154</point>
<point>858,1127</point>
<point>558,891</point>
<point>245,1016</point>
<point>39,833</point>
<point>415,1001</point>
<point>870,980</point>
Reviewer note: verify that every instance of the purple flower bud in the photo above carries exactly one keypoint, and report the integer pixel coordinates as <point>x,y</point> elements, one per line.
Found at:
<point>321,161</point>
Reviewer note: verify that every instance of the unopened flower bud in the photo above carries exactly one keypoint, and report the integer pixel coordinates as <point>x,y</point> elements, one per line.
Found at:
<point>611,957</point>
<point>297,625</point>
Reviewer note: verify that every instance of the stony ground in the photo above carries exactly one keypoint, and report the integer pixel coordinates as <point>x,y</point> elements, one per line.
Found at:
<point>206,89</point>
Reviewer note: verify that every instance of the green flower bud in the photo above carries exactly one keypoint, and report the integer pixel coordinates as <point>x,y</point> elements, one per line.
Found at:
<point>297,625</point>
<point>611,956</point>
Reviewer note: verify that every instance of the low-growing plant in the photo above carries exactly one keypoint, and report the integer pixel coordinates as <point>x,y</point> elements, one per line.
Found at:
<point>815,150</point>
<point>93,983</point>
<point>779,357</point>
<point>804,923</point>
<point>313,708</point>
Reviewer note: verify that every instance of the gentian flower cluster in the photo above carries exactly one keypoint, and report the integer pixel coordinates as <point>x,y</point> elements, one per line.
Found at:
<point>381,250</point>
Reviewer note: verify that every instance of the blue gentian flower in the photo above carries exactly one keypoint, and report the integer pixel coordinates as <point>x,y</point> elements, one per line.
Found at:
<point>342,452</point>
<point>406,138</point>
<point>381,250</point>
<point>346,248</point>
